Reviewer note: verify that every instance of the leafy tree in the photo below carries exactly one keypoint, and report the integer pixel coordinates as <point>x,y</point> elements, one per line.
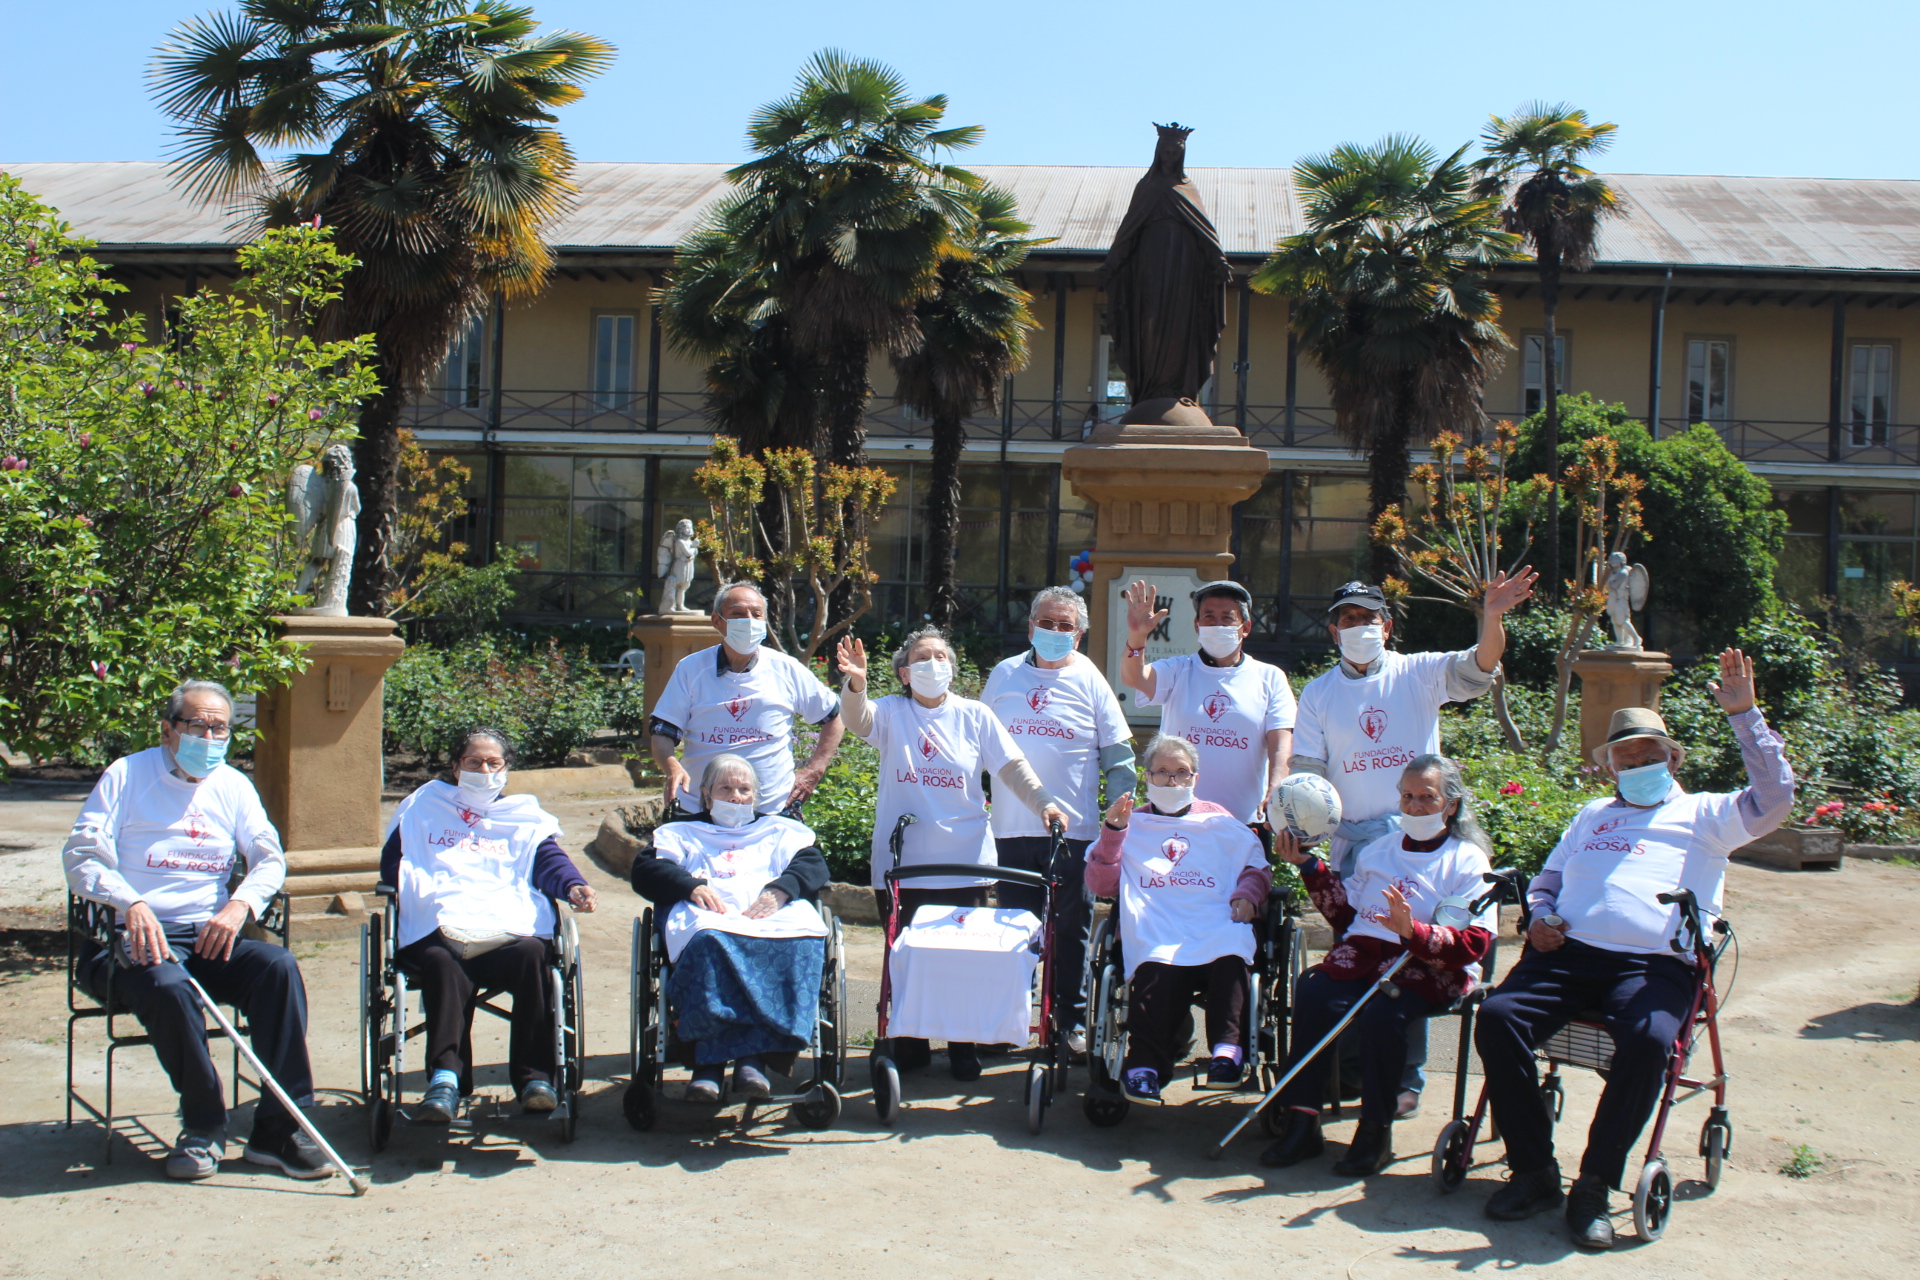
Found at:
<point>142,485</point>
<point>973,337</point>
<point>422,131</point>
<point>1556,208</point>
<point>432,578</point>
<point>1391,301</point>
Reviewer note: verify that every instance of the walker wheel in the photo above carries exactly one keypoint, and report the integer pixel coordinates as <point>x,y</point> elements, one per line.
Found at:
<point>1652,1201</point>
<point>886,1089</point>
<point>1037,1097</point>
<point>1105,1112</point>
<point>641,1106</point>
<point>380,1124</point>
<point>1273,1119</point>
<point>1451,1157</point>
<point>1716,1140</point>
<point>820,1109</point>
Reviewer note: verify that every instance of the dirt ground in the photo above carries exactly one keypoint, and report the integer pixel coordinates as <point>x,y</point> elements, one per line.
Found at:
<point>1821,1036</point>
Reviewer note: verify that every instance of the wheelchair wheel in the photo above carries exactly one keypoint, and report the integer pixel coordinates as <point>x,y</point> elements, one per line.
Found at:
<point>1105,1112</point>
<point>1451,1157</point>
<point>833,1008</point>
<point>1273,1118</point>
<point>820,1110</point>
<point>1652,1200</point>
<point>641,1105</point>
<point>1556,1096</point>
<point>370,992</point>
<point>1716,1140</point>
<point>886,1087</point>
<point>380,1124</point>
<point>1039,1094</point>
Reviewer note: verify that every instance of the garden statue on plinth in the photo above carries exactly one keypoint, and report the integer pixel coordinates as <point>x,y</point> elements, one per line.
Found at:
<point>674,565</point>
<point>1626,591</point>
<point>325,503</point>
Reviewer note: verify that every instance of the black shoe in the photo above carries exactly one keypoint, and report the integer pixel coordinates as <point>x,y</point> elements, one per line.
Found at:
<point>1587,1219</point>
<point>1223,1073</point>
<point>1300,1140</point>
<point>911,1054</point>
<point>1526,1194</point>
<point>1142,1085</point>
<point>1370,1151</point>
<point>294,1154</point>
<point>963,1059</point>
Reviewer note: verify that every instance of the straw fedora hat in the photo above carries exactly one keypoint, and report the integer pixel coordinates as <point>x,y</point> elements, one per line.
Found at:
<point>1637,722</point>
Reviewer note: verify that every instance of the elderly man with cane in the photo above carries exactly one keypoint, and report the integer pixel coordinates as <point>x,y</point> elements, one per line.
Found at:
<point>156,841</point>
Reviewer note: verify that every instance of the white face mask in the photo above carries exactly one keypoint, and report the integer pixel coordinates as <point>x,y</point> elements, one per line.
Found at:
<point>745,634</point>
<point>1219,642</point>
<point>1169,799</point>
<point>1423,826</point>
<point>487,785</point>
<point>930,679</point>
<point>1361,645</point>
<point>729,813</point>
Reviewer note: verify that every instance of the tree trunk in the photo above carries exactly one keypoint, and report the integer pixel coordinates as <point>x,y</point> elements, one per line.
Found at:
<point>847,391</point>
<point>1504,714</point>
<point>376,460</point>
<point>1550,398</point>
<point>943,517</point>
<point>1389,465</point>
<point>1577,628</point>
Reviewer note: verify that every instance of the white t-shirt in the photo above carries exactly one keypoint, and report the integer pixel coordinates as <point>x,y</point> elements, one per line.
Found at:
<point>1226,713</point>
<point>1368,730</point>
<point>964,973</point>
<point>1177,877</point>
<point>737,863</point>
<point>931,759</point>
<point>1060,719</point>
<point>747,713</point>
<point>1614,859</point>
<point>469,864</point>
<point>146,836</point>
<point>1455,869</point>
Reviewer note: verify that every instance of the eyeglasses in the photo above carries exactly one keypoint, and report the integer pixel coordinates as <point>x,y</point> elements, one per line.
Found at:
<point>218,730</point>
<point>1160,778</point>
<point>1048,624</point>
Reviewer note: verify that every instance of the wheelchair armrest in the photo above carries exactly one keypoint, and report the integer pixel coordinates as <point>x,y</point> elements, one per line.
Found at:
<point>386,891</point>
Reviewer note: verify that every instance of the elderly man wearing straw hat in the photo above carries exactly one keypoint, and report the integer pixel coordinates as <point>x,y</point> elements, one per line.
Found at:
<point>1600,940</point>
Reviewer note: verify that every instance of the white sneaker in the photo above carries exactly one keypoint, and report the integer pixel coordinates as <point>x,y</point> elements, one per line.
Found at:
<point>1077,1041</point>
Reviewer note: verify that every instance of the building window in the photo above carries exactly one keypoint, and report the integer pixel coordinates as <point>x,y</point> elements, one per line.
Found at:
<point>613,361</point>
<point>1533,347</point>
<point>463,378</point>
<point>1709,379</point>
<point>1870,392</point>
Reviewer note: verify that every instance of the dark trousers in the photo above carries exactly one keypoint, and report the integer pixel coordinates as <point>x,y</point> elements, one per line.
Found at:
<point>1030,853</point>
<point>911,900</point>
<point>1377,1037</point>
<point>1159,995</point>
<point>259,979</point>
<point>1645,1000</point>
<point>452,986</point>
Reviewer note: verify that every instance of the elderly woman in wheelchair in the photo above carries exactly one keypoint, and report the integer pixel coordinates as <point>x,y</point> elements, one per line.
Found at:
<point>475,875</point>
<point>736,891</point>
<point>1425,870</point>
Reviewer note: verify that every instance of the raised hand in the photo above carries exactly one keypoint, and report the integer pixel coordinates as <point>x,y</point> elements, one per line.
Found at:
<point>851,657</point>
<point>1399,913</point>
<point>1120,812</point>
<point>1735,689</point>
<point>1507,590</point>
<point>1142,617</point>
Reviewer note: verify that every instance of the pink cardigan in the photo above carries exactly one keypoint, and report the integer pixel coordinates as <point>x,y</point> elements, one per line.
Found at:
<point>1103,864</point>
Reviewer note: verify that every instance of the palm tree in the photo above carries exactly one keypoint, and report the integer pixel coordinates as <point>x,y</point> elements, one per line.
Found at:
<point>845,216</point>
<point>421,132</point>
<point>1391,300</point>
<point>1556,209</point>
<point>973,336</point>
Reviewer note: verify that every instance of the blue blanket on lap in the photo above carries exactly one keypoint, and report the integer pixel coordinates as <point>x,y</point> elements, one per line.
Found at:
<point>735,996</point>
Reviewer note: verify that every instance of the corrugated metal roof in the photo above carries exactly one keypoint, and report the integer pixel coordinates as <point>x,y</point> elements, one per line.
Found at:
<point>1783,224</point>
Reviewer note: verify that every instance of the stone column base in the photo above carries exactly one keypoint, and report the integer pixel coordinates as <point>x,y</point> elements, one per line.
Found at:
<point>1611,679</point>
<point>667,638</point>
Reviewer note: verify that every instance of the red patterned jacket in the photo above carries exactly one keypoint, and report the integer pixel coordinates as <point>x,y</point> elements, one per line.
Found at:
<point>1443,958</point>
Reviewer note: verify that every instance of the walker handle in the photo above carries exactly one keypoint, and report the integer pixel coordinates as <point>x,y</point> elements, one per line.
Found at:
<point>897,841</point>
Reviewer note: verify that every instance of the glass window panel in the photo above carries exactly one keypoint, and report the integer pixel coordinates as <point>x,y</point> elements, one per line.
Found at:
<point>539,593</point>
<point>601,597</point>
<point>891,543</point>
<point>976,558</point>
<point>619,478</point>
<point>1027,550</point>
<point>612,360</point>
<point>1031,487</point>
<point>1708,368</point>
<point>1330,497</point>
<point>979,485</point>
<point>1887,514</point>
<point>676,481</point>
<point>1866,570</point>
<point>1806,509</point>
<point>462,376</point>
<point>1870,392</point>
<point>1801,572</point>
<point>1268,501</point>
<point>1075,536</point>
<point>1259,563</point>
<point>539,475</point>
<point>535,533</point>
<point>607,537</point>
<point>1533,366</point>
<point>1316,572</point>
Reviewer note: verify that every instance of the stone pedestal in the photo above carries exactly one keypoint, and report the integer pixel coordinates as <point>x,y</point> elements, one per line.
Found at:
<point>667,638</point>
<point>1611,679</point>
<point>1164,497</point>
<point>318,763</point>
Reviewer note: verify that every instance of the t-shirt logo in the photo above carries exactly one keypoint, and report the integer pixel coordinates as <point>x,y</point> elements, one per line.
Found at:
<point>928,747</point>
<point>1373,723</point>
<point>960,918</point>
<point>469,816</point>
<point>1215,705</point>
<point>1175,848</point>
<point>197,828</point>
<point>737,707</point>
<point>1605,827</point>
<point>1038,698</point>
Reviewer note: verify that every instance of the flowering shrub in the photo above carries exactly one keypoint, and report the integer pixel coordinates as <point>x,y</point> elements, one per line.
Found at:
<point>1879,821</point>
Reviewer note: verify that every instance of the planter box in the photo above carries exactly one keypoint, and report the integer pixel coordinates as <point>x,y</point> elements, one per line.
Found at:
<point>1796,848</point>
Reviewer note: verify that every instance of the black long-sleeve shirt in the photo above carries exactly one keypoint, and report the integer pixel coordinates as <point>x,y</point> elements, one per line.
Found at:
<point>665,883</point>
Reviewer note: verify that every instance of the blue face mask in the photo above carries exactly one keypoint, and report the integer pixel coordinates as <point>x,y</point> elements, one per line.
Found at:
<point>1645,786</point>
<point>200,756</point>
<point>1053,645</point>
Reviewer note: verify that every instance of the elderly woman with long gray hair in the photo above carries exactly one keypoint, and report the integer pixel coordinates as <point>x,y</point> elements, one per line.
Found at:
<point>1382,910</point>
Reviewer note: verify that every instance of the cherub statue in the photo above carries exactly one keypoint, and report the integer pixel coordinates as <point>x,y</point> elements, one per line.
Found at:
<point>674,564</point>
<point>1626,591</point>
<point>325,503</point>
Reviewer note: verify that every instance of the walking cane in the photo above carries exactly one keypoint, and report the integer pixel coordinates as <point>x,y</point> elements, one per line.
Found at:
<point>358,1183</point>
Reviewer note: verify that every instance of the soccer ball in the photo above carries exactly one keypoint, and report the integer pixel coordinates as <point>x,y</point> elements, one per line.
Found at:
<point>1305,804</point>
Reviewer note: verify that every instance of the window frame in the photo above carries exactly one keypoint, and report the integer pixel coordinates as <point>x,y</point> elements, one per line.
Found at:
<point>613,400</point>
<point>1875,435</point>
<point>1563,345</point>
<point>1727,414</point>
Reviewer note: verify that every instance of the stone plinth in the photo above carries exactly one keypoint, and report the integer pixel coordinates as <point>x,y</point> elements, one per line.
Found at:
<point>1611,679</point>
<point>667,638</point>
<point>1164,498</point>
<point>318,763</point>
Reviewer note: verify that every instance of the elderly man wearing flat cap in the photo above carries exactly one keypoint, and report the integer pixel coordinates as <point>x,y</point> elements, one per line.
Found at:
<point>1600,939</point>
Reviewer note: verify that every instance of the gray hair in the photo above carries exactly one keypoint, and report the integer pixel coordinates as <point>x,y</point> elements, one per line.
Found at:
<point>900,659</point>
<point>720,596</point>
<point>1161,744</point>
<point>1061,595</point>
<point>719,767</point>
<point>177,700</point>
<point>1453,786</point>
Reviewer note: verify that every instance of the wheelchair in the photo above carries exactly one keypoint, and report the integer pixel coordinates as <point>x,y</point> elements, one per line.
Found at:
<point>1586,1042</point>
<point>384,1031</point>
<point>814,1101</point>
<point>90,931</point>
<point>1279,957</point>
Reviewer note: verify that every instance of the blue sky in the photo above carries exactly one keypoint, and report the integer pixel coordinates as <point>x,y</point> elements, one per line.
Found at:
<point>1761,87</point>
